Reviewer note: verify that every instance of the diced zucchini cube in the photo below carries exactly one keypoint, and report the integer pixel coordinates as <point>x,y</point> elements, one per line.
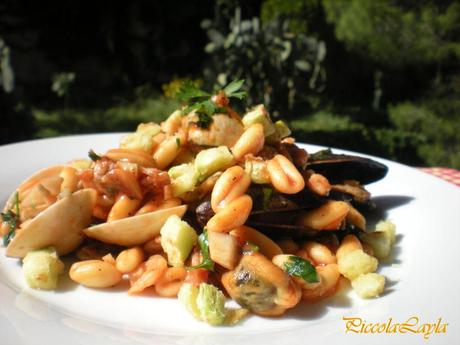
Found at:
<point>42,268</point>
<point>211,304</point>
<point>281,131</point>
<point>379,241</point>
<point>369,285</point>
<point>177,240</point>
<point>151,129</point>
<point>187,296</point>
<point>183,178</point>
<point>257,169</point>
<point>387,227</point>
<point>142,138</point>
<point>355,263</point>
<point>207,303</point>
<point>207,162</point>
<point>259,115</point>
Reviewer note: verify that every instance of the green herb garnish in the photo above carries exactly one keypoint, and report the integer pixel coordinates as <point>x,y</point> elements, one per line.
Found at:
<point>12,218</point>
<point>189,91</point>
<point>204,120</point>
<point>178,142</point>
<point>301,268</point>
<point>233,89</point>
<point>207,262</point>
<point>267,197</point>
<point>201,101</point>
<point>93,155</point>
<point>249,248</point>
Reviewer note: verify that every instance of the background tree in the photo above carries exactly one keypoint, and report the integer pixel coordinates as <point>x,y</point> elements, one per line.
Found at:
<point>377,76</point>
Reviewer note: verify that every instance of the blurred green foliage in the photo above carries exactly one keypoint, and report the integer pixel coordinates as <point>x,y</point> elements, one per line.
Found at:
<point>146,107</point>
<point>274,62</point>
<point>62,82</point>
<point>438,137</point>
<point>393,76</point>
<point>397,35</point>
<point>381,77</point>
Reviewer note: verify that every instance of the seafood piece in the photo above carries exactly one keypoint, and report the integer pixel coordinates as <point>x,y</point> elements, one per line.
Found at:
<point>134,230</point>
<point>267,200</point>
<point>224,130</point>
<point>338,167</point>
<point>38,177</point>
<point>284,229</point>
<point>60,225</point>
<point>353,192</point>
<point>260,286</point>
<point>357,192</point>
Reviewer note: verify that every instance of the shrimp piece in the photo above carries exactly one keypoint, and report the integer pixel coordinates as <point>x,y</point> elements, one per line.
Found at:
<point>224,130</point>
<point>147,274</point>
<point>169,284</point>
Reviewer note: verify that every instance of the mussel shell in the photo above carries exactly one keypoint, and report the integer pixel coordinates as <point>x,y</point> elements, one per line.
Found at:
<point>280,231</point>
<point>60,226</point>
<point>279,202</point>
<point>338,168</point>
<point>134,230</point>
<point>299,233</point>
<point>365,206</point>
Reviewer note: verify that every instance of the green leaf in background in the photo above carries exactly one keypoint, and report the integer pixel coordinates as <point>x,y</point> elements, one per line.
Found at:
<point>233,89</point>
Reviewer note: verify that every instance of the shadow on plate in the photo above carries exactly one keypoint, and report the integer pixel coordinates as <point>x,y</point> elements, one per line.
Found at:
<point>313,311</point>
<point>384,204</point>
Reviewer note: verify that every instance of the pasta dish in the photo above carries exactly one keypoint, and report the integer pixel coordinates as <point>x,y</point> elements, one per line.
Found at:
<point>205,206</point>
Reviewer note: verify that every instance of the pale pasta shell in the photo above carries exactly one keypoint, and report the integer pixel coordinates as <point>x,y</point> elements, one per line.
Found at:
<point>60,226</point>
<point>133,231</point>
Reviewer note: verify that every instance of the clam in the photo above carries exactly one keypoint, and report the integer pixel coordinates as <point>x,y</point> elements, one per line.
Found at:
<point>59,225</point>
<point>136,230</point>
<point>45,219</point>
<point>48,178</point>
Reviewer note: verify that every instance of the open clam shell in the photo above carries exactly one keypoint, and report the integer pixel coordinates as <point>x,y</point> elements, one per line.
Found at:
<point>60,226</point>
<point>40,176</point>
<point>134,230</point>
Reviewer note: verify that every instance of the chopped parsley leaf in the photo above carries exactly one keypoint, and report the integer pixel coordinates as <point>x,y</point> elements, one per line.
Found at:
<point>207,262</point>
<point>233,89</point>
<point>249,248</point>
<point>267,197</point>
<point>301,268</point>
<point>93,155</point>
<point>204,120</point>
<point>12,218</point>
<point>190,91</point>
<point>201,101</point>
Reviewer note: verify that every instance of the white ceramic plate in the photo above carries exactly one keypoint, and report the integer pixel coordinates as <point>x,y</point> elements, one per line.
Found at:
<point>423,281</point>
